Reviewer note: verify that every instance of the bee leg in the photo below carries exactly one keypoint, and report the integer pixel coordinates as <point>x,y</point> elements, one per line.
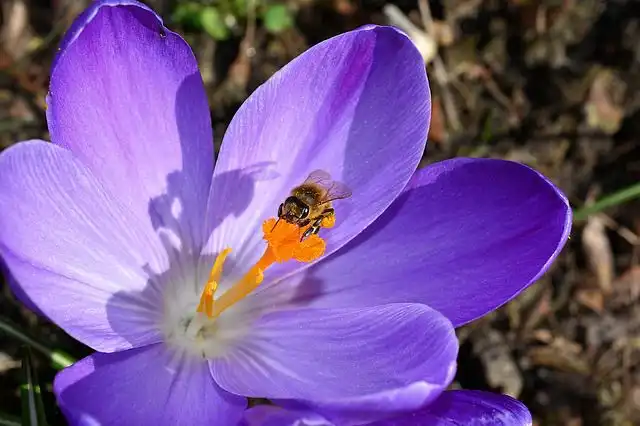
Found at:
<point>313,229</point>
<point>328,218</point>
<point>304,223</point>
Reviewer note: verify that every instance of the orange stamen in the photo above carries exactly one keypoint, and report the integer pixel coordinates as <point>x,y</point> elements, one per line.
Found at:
<point>283,244</point>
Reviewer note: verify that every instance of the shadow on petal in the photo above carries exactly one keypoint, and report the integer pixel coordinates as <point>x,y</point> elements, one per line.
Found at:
<point>175,219</point>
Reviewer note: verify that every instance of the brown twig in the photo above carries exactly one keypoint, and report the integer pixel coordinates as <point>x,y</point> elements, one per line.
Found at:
<point>241,68</point>
<point>15,33</point>
<point>440,72</point>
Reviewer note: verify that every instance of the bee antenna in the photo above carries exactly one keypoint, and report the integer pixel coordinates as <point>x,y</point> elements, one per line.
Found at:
<point>275,224</point>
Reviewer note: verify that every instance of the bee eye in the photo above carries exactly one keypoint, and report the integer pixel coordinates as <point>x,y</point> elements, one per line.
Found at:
<point>304,213</point>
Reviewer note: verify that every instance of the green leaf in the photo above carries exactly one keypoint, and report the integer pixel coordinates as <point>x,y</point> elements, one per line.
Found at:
<point>32,407</point>
<point>611,200</point>
<point>239,7</point>
<point>187,14</point>
<point>60,360</point>
<point>277,18</point>
<point>212,22</point>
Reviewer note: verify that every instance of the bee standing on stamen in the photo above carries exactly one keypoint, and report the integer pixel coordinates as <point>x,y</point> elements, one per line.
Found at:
<point>310,203</point>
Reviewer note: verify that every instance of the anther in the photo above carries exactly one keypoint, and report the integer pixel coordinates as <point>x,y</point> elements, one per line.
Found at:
<point>284,243</point>
<point>206,299</point>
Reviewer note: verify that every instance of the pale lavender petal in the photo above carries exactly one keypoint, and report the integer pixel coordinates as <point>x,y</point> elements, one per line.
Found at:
<point>356,106</point>
<point>363,361</point>
<point>466,236</point>
<point>78,254</point>
<point>468,408</point>
<point>127,99</point>
<point>145,386</point>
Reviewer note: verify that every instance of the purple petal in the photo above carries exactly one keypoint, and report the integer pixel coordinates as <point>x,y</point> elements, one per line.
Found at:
<point>77,253</point>
<point>127,99</point>
<point>145,386</point>
<point>466,236</point>
<point>469,408</point>
<point>452,408</point>
<point>365,361</point>
<point>269,415</point>
<point>356,106</point>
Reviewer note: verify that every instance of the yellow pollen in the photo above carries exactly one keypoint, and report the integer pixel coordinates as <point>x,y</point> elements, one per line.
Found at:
<point>328,221</point>
<point>283,244</point>
<point>206,299</point>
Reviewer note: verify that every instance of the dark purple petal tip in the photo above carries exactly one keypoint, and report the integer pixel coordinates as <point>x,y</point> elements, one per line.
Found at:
<point>144,13</point>
<point>468,407</point>
<point>452,408</point>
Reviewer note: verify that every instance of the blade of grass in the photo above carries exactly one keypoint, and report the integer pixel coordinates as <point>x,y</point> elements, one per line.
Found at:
<point>58,359</point>
<point>32,407</point>
<point>9,420</point>
<point>609,201</point>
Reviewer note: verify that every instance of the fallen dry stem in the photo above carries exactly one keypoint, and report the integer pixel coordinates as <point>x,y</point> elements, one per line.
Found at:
<point>440,73</point>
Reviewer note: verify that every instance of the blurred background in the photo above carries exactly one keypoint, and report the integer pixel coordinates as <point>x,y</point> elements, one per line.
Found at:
<point>550,83</point>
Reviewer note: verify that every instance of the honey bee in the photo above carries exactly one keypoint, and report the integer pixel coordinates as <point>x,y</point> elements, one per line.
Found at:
<point>310,203</point>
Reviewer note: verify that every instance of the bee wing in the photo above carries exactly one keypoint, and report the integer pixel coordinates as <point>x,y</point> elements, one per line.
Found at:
<point>320,177</point>
<point>335,190</point>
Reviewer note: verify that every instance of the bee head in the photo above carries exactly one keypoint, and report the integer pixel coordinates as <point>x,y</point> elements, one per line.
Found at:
<point>293,210</point>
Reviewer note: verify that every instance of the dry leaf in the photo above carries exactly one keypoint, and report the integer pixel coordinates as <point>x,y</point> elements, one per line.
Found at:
<point>597,249</point>
<point>603,107</point>
<point>424,42</point>
<point>344,7</point>
<point>437,131</point>
<point>626,288</point>
<point>500,368</point>
<point>444,34</point>
<point>15,32</point>
<point>7,363</point>
<point>558,358</point>
<point>543,335</point>
<point>591,298</point>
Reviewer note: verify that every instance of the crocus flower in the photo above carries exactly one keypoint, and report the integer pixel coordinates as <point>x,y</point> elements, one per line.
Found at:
<point>452,408</point>
<point>123,233</point>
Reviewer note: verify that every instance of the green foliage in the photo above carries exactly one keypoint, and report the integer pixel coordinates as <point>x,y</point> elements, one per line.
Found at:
<point>58,359</point>
<point>187,14</point>
<point>221,18</point>
<point>195,16</point>
<point>9,420</point>
<point>620,197</point>
<point>277,18</point>
<point>32,407</point>
<point>213,23</point>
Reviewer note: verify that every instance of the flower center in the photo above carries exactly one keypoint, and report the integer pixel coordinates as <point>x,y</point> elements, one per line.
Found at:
<point>284,242</point>
<point>208,333</point>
